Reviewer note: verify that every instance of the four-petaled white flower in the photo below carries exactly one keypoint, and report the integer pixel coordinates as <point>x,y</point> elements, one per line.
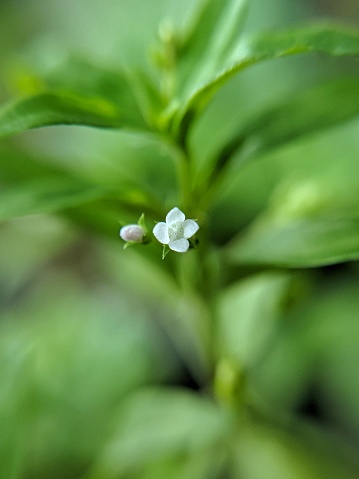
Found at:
<point>176,231</point>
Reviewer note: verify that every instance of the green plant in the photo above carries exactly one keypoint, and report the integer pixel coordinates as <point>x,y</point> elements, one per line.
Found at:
<point>244,275</point>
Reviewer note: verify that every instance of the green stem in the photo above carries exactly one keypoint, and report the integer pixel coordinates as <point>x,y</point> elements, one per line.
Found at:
<point>184,182</point>
<point>183,165</point>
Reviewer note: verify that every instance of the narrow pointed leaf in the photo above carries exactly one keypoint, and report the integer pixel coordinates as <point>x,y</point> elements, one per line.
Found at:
<point>298,243</point>
<point>46,195</point>
<point>116,88</point>
<point>210,38</point>
<point>315,109</point>
<point>56,109</point>
<point>327,39</point>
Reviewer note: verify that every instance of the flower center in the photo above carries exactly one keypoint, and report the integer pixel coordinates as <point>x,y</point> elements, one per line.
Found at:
<point>176,231</point>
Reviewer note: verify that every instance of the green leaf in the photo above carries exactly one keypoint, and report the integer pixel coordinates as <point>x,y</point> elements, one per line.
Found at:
<point>327,39</point>
<point>126,92</point>
<point>321,347</point>
<point>17,165</point>
<point>148,97</point>
<point>247,314</point>
<point>56,109</point>
<point>79,93</point>
<point>297,243</point>
<point>31,184</point>
<point>46,195</point>
<point>210,38</point>
<point>315,109</point>
<point>68,349</point>
<point>155,424</point>
<point>297,452</point>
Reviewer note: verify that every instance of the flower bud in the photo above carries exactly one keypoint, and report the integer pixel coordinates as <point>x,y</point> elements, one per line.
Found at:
<point>132,233</point>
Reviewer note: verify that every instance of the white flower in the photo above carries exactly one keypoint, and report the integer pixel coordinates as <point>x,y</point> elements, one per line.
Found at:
<point>176,231</point>
<point>132,233</point>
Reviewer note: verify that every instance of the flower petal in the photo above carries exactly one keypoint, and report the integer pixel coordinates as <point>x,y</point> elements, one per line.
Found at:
<point>161,233</point>
<point>174,216</point>
<point>180,245</point>
<point>190,227</point>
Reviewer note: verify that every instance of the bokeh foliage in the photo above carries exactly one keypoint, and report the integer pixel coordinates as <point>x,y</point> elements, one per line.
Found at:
<point>237,359</point>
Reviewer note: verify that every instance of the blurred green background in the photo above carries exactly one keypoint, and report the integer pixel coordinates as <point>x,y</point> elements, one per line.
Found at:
<point>91,336</point>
